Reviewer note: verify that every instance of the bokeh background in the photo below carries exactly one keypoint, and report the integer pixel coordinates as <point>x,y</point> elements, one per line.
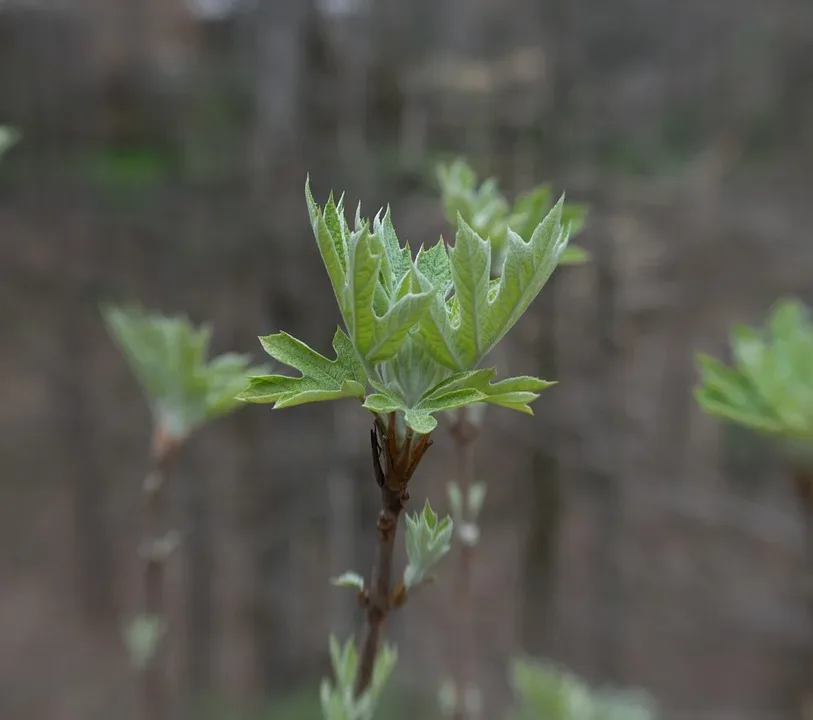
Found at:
<point>165,146</point>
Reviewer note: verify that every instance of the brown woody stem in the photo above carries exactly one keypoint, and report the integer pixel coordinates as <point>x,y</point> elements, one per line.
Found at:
<point>465,432</point>
<point>394,463</point>
<point>155,683</point>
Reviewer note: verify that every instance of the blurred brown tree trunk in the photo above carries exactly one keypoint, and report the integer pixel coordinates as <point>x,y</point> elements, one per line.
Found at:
<point>545,504</point>
<point>607,480</point>
<point>267,482</point>
<point>563,43</point>
<point>348,23</point>
<point>78,419</point>
<point>276,32</point>
<point>81,463</point>
<point>275,35</point>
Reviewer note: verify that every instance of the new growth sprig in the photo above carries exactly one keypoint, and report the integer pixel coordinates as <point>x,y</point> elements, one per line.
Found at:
<point>491,215</point>
<point>416,331</point>
<point>338,699</point>
<point>184,389</point>
<point>169,357</point>
<point>769,389</point>
<point>484,208</point>
<point>544,690</point>
<point>769,386</point>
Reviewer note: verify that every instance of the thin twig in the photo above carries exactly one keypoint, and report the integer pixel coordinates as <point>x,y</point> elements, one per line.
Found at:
<point>465,432</point>
<point>155,686</point>
<point>393,465</point>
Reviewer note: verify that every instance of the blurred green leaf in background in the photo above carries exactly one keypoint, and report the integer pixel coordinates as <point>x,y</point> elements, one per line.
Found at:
<point>168,355</point>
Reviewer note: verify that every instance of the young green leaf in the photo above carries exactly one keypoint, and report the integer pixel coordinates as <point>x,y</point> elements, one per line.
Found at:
<point>412,370</point>
<point>226,376</point>
<point>473,386</point>
<point>436,330</point>
<point>529,209</point>
<point>477,495</point>
<point>515,393</point>
<point>427,541</point>
<point>434,265</point>
<point>420,421</point>
<point>770,386</point>
<point>399,259</point>
<point>321,379</point>
<point>488,213</point>
<point>574,255</point>
<point>349,580</point>
<point>459,390</point>
<point>471,273</point>
<point>332,245</point>
<point>344,660</point>
<point>141,637</point>
<point>455,500</point>
<point>528,265</point>
<point>377,338</point>
<point>8,138</point>
<point>168,356</point>
<point>546,691</point>
<point>383,403</point>
<point>338,701</point>
<point>488,311</point>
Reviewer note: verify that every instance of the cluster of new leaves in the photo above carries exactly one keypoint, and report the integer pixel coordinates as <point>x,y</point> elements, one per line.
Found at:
<point>169,358</point>
<point>546,691</point>
<point>8,137</point>
<point>415,328</point>
<point>338,699</point>
<point>490,214</point>
<point>427,541</point>
<point>769,388</point>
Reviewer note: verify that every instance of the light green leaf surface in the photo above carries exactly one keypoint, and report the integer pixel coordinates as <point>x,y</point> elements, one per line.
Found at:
<point>490,215</point>
<point>428,539</point>
<point>410,324</point>
<point>574,255</point>
<point>471,273</point>
<point>142,637</point>
<point>349,580</point>
<point>332,247</point>
<point>321,379</point>
<point>169,358</point>
<point>8,138</point>
<point>337,698</point>
<point>769,387</point>
<point>487,310</point>
<point>545,690</point>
